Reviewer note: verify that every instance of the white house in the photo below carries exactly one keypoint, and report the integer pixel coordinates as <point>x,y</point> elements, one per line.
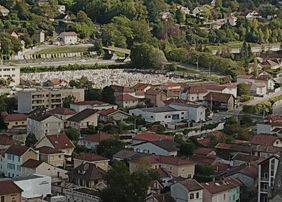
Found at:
<point>258,89</point>
<point>10,72</point>
<point>14,157</point>
<point>187,191</point>
<point>34,186</point>
<point>69,38</point>
<point>83,119</point>
<point>93,104</point>
<point>196,113</point>
<point>44,124</point>
<point>164,114</point>
<point>193,93</point>
<point>92,141</point>
<point>126,101</point>
<point>162,147</point>
<point>32,166</point>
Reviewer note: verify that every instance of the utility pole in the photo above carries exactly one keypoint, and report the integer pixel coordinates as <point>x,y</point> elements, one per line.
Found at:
<point>211,102</point>
<point>197,63</point>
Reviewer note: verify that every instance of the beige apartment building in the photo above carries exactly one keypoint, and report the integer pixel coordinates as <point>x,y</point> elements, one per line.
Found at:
<point>50,98</point>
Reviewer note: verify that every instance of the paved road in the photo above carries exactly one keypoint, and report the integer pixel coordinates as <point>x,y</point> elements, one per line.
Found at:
<point>67,62</point>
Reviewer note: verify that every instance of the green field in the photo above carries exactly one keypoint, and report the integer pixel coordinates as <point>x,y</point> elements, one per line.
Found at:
<point>62,49</point>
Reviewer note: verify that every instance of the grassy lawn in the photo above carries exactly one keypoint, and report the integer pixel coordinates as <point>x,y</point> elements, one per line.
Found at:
<point>62,49</point>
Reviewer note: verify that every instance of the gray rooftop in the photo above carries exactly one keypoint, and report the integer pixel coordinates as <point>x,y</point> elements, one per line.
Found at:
<point>160,109</point>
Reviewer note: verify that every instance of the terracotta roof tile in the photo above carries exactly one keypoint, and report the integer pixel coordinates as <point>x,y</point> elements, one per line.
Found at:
<point>125,97</point>
<point>151,137</point>
<point>219,97</point>
<point>170,160</point>
<point>6,140</point>
<point>203,151</point>
<point>48,150</point>
<point>267,140</point>
<point>191,185</point>
<point>163,198</point>
<point>106,112</point>
<point>9,187</point>
<point>17,150</point>
<point>15,117</point>
<point>90,157</point>
<point>60,141</point>
<point>62,111</point>
<point>221,186</point>
<point>31,163</point>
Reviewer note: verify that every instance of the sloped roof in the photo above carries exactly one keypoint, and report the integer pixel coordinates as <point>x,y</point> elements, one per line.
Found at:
<point>267,140</point>
<point>221,186</point>
<point>125,98</point>
<point>48,150</point>
<point>87,171</point>
<point>60,141</point>
<point>15,117</point>
<point>219,97</point>
<point>31,163</point>
<point>203,151</point>
<point>191,185</point>
<point>62,111</point>
<point>90,157</point>
<point>17,150</point>
<point>90,102</point>
<point>80,116</point>
<point>6,139</point>
<point>106,112</point>
<point>151,137</point>
<point>9,187</point>
<point>170,160</point>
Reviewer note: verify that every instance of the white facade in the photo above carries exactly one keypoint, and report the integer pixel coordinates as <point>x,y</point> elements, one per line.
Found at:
<point>181,194</point>
<point>151,148</point>
<point>81,107</point>
<point>69,38</point>
<point>87,144</point>
<point>172,116</point>
<point>10,72</point>
<point>81,195</point>
<point>195,112</point>
<point>91,120</point>
<point>49,126</point>
<point>34,186</point>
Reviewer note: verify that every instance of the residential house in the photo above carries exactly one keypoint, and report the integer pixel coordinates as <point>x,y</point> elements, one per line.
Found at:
<point>82,195</point>
<point>220,101</point>
<point>62,113</point>
<point>126,101</point>
<point>252,14</point>
<point>267,140</point>
<point>10,72</point>
<point>178,167</point>
<point>15,121</point>
<point>159,198</point>
<point>165,177</point>
<point>272,64</point>
<point>92,141</point>
<point>196,113</point>
<point>193,93</point>
<point>172,89</point>
<point>240,158</point>
<point>83,119</point>
<point>226,190</point>
<point>35,187</point>
<point>109,115</point>
<point>4,11</point>
<point>51,156</point>
<point>120,90</point>
<point>41,123</point>
<point>39,36</point>
<point>275,194</point>
<point>59,142</point>
<point>188,190</point>
<point>99,161</point>
<point>93,104</point>
<point>202,151</point>
<point>68,38</point>
<point>232,20</point>
<point>10,191</point>
<point>258,89</point>
<point>140,89</point>
<point>164,115</point>
<point>267,170</point>
<point>86,175</point>
<point>31,167</point>
<point>162,147</point>
<point>14,157</point>
<point>6,141</point>
<point>156,96</point>
<point>50,98</point>
<point>148,136</point>
<point>262,79</point>
<point>271,125</point>
<point>227,151</point>
<point>229,88</point>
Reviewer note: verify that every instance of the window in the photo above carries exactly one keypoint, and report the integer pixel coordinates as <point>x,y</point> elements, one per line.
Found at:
<point>191,196</point>
<point>2,198</point>
<point>197,195</point>
<point>224,196</point>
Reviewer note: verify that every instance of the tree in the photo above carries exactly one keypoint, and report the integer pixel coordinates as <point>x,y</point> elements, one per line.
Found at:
<point>125,187</point>
<point>93,94</point>
<point>68,100</point>
<point>30,140</point>
<point>73,134</point>
<point>146,56</point>
<point>243,89</point>
<point>107,95</point>
<point>109,147</point>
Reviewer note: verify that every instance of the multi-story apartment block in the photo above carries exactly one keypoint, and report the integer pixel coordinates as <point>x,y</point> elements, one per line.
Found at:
<point>10,72</point>
<point>31,99</point>
<point>266,177</point>
<point>14,157</point>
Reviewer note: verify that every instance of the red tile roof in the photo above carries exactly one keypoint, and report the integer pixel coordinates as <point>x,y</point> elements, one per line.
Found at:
<point>90,102</point>
<point>162,172</point>
<point>195,89</point>
<point>203,151</point>
<point>163,198</point>
<point>62,111</point>
<point>140,86</point>
<point>6,140</point>
<point>31,163</point>
<point>221,186</point>
<point>151,137</point>
<point>125,98</point>
<point>68,34</point>
<point>97,137</point>
<point>267,140</point>
<point>60,141</point>
<point>17,150</point>
<point>274,120</point>
<point>250,170</point>
<point>191,185</point>
<point>15,117</point>
<point>106,112</point>
<point>219,97</point>
<point>9,187</point>
<point>170,160</point>
<point>90,157</point>
<point>48,150</point>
